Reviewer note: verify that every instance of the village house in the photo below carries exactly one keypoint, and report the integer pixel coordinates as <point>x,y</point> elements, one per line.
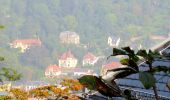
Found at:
<point>67,60</point>
<point>25,44</point>
<point>113,41</point>
<point>68,37</point>
<point>110,66</point>
<point>89,59</point>
<point>52,71</point>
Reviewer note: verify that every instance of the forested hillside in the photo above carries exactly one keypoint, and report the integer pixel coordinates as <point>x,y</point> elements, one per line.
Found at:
<point>93,20</point>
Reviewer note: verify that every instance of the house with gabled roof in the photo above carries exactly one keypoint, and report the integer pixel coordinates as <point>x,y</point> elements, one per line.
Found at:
<point>52,71</point>
<point>68,60</point>
<point>69,37</point>
<point>89,59</point>
<point>25,44</point>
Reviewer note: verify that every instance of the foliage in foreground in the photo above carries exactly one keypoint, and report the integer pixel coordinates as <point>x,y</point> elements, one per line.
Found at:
<point>132,63</point>
<point>65,92</point>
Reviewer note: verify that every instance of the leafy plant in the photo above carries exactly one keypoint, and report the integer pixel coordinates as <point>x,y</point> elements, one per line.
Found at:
<point>132,62</point>
<point>19,94</point>
<point>98,84</point>
<point>71,84</point>
<point>53,92</point>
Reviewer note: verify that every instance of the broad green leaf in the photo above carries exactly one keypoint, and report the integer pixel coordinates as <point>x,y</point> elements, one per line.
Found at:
<point>89,81</point>
<point>122,72</point>
<point>104,87</point>
<point>134,58</point>
<point>120,69</point>
<point>124,61</point>
<point>128,49</point>
<point>118,52</point>
<point>153,55</point>
<point>147,79</point>
<point>129,63</point>
<point>131,53</point>
<point>142,53</point>
<point>164,69</point>
<point>168,85</point>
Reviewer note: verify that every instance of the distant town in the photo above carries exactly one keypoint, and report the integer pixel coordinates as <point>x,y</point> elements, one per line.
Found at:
<point>67,62</point>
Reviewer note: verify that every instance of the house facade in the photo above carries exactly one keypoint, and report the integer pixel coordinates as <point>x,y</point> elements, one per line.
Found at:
<point>52,71</point>
<point>89,59</point>
<point>68,37</point>
<point>68,60</point>
<point>25,44</point>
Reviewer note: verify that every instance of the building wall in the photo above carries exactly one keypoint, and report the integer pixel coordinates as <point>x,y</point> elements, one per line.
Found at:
<point>52,74</point>
<point>70,39</point>
<point>69,63</point>
<point>23,47</point>
<point>88,62</point>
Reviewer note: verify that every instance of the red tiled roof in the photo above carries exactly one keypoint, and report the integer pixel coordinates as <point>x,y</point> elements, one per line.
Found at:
<point>112,65</point>
<point>89,56</point>
<point>28,41</point>
<point>66,55</point>
<point>54,68</point>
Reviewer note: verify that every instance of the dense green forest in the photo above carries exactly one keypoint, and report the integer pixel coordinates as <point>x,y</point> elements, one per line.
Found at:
<point>93,20</point>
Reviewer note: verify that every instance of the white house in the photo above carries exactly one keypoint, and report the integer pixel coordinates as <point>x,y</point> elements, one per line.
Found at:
<point>89,59</point>
<point>68,60</point>
<point>25,44</point>
<point>52,71</point>
<point>113,41</point>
